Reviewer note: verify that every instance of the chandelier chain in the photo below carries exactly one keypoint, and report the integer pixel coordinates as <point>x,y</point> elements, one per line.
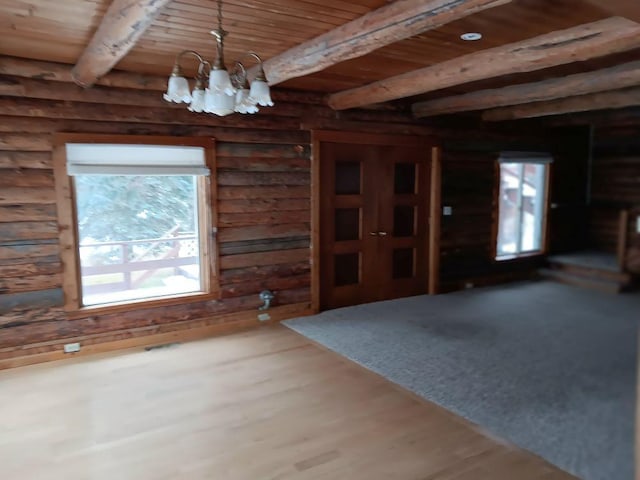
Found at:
<point>220,15</point>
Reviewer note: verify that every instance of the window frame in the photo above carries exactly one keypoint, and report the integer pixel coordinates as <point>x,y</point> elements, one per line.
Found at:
<point>68,227</point>
<point>544,227</point>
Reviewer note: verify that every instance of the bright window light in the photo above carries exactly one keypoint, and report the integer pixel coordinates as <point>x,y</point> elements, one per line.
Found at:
<point>138,237</point>
<point>521,208</point>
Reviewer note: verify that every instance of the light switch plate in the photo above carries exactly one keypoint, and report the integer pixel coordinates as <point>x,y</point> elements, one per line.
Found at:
<point>638,224</point>
<point>447,210</point>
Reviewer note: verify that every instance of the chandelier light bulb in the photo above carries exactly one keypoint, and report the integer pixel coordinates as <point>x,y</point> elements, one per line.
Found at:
<point>218,103</point>
<point>197,101</point>
<point>244,103</point>
<point>177,90</point>
<point>220,81</point>
<point>260,93</point>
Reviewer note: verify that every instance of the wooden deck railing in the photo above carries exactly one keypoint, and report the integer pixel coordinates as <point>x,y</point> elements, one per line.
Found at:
<point>147,262</point>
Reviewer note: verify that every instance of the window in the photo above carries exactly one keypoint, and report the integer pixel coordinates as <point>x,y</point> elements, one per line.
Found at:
<point>522,198</point>
<point>139,215</point>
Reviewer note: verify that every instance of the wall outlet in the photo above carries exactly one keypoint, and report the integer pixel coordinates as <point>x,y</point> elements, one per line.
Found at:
<point>71,347</point>
<point>447,210</point>
<point>263,317</point>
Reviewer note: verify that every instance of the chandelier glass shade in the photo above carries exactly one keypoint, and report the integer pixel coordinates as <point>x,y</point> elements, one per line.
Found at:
<point>216,90</point>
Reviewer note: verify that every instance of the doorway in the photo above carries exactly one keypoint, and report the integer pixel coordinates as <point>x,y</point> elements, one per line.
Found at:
<point>373,222</point>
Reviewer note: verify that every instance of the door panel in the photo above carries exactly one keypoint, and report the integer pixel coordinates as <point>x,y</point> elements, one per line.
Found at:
<point>373,221</point>
<point>403,215</point>
<point>345,218</point>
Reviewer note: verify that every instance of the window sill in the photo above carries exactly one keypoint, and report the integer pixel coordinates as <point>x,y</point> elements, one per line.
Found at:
<point>519,256</point>
<point>90,311</point>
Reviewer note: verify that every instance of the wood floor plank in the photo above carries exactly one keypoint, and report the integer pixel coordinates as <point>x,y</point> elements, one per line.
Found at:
<point>260,404</point>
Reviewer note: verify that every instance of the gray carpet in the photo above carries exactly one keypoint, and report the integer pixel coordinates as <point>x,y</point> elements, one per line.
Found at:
<point>549,367</point>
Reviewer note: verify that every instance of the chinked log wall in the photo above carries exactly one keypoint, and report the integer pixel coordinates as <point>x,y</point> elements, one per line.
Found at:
<point>263,175</point>
<point>616,180</point>
<point>467,241</point>
<point>468,185</point>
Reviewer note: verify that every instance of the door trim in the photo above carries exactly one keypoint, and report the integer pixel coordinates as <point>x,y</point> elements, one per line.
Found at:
<point>433,248</point>
<point>435,207</point>
<point>371,138</point>
<point>315,222</point>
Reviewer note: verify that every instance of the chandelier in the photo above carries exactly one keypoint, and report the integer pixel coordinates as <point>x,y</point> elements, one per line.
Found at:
<point>226,92</point>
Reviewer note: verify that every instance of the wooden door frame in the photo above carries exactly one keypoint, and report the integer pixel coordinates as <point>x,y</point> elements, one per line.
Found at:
<point>433,247</point>
<point>435,209</point>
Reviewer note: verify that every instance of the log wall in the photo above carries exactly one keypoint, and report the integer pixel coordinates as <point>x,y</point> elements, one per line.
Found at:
<point>263,175</point>
<point>469,179</point>
<point>615,176</point>
<point>263,238</point>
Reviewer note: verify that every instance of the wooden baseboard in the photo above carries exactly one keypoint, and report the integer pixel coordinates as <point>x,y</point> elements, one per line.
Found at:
<point>229,323</point>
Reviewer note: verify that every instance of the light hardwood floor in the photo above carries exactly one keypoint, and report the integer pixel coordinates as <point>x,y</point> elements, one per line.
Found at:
<point>264,404</point>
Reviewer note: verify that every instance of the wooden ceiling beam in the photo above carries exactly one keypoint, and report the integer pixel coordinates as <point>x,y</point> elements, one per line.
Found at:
<point>389,24</point>
<point>37,74</point>
<point>575,44</point>
<point>596,101</point>
<point>623,8</point>
<point>61,72</point>
<point>614,78</point>
<point>122,25</point>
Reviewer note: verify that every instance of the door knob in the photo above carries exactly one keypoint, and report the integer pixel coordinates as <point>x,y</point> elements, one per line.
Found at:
<point>382,234</point>
<point>373,234</point>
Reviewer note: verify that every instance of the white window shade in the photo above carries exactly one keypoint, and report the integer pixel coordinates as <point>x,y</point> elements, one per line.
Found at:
<point>130,159</point>
<point>525,157</point>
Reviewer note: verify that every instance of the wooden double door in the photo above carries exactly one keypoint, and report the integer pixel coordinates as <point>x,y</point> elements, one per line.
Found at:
<point>374,217</point>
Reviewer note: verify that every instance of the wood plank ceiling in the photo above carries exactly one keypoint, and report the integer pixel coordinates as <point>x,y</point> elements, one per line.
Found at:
<point>59,31</point>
